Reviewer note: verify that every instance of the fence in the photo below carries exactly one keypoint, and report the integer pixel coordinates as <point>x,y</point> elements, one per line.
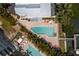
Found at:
<point>74,42</point>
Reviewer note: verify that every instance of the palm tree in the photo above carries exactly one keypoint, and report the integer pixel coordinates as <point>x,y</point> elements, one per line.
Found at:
<point>29,52</point>
<point>64,13</point>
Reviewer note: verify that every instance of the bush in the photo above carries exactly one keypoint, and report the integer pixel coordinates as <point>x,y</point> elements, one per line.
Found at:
<point>23,29</point>
<point>7,16</point>
<point>69,30</point>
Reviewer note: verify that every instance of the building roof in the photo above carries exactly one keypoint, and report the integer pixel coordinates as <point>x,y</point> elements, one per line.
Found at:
<point>5,43</point>
<point>19,40</point>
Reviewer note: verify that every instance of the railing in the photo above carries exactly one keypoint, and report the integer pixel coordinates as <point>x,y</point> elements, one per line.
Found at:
<point>65,41</point>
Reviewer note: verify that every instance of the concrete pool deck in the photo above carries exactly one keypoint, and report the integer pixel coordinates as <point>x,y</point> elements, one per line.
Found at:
<point>29,24</point>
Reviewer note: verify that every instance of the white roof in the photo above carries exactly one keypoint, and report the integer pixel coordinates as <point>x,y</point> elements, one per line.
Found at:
<point>19,40</point>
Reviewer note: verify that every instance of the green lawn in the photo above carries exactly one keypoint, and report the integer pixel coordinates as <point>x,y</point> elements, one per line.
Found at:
<point>75,9</point>
<point>75,19</point>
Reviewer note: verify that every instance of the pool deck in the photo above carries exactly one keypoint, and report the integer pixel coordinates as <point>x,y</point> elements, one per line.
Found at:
<point>29,24</point>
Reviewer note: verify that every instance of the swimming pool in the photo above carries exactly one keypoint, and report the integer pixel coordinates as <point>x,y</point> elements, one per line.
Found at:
<point>49,31</point>
<point>32,51</point>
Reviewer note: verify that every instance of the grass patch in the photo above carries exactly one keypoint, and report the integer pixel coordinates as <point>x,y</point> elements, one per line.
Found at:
<point>61,43</point>
<point>75,10</point>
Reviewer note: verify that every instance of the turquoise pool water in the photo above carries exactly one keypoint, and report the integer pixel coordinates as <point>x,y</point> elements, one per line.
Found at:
<point>44,30</point>
<point>32,51</point>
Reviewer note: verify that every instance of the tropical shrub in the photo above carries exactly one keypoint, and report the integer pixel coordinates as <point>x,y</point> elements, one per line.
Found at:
<point>64,15</point>
<point>68,29</point>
